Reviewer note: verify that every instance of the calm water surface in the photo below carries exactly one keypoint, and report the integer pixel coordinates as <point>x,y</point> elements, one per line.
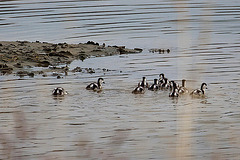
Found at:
<point>114,124</point>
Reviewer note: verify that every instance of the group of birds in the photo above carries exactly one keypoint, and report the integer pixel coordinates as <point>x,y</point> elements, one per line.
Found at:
<point>158,84</point>
<point>164,84</point>
<point>95,86</point>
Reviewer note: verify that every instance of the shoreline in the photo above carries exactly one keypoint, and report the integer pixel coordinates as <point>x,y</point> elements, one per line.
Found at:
<point>16,56</point>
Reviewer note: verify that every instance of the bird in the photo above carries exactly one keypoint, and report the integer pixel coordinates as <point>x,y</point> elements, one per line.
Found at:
<point>138,90</point>
<point>199,92</point>
<point>161,77</point>
<point>163,82</point>
<point>96,85</point>
<point>59,91</point>
<point>174,92</point>
<point>143,83</point>
<point>183,89</point>
<point>154,86</point>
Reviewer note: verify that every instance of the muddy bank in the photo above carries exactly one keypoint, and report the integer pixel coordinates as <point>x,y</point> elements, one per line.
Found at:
<point>15,56</point>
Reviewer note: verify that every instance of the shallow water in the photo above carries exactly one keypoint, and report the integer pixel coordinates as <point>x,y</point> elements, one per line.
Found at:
<point>204,41</point>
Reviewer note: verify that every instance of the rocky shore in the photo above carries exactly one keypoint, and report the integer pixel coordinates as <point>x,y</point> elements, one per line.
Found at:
<point>15,56</point>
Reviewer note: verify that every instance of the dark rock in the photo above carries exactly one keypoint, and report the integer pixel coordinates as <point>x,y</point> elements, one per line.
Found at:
<point>22,73</point>
<point>4,69</point>
<point>61,54</point>
<point>82,56</point>
<point>3,66</point>
<point>18,65</point>
<point>65,53</point>
<point>93,43</point>
<point>138,49</point>
<point>54,45</point>
<point>53,54</point>
<point>77,69</point>
<point>47,50</point>
<point>40,72</point>
<point>66,68</point>
<point>90,70</point>
<point>126,51</point>
<point>43,64</point>
<point>122,47</point>
<point>31,74</point>
<point>160,51</point>
<point>63,45</point>
<point>55,74</point>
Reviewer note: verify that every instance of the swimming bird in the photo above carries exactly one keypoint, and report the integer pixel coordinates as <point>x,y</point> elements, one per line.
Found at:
<point>161,77</point>
<point>59,91</point>
<point>199,92</point>
<point>163,82</point>
<point>183,89</point>
<point>154,86</point>
<point>143,83</point>
<point>138,90</point>
<point>96,86</point>
<point>174,92</point>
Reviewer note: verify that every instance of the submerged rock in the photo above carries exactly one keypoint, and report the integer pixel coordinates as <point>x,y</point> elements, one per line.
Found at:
<point>160,51</point>
<point>90,70</point>
<point>25,73</point>
<point>77,69</point>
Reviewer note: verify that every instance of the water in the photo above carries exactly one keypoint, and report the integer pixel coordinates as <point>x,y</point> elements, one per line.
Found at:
<point>204,41</point>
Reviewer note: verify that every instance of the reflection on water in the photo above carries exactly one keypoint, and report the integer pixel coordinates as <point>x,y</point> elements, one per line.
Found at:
<point>204,42</point>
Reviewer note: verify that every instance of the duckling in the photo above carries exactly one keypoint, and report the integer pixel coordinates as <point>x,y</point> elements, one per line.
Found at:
<point>154,86</point>
<point>59,91</point>
<point>199,92</point>
<point>143,83</point>
<point>161,77</point>
<point>138,90</point>
<point>165,84</point>
<point>174,92</point>
<point>96,86</point>
<point>183,89</point>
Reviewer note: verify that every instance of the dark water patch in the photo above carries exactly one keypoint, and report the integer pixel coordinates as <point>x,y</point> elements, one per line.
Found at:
<point>5,24</point>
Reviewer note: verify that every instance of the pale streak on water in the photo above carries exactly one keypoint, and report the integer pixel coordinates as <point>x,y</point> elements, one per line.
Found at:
<point>204,41</point>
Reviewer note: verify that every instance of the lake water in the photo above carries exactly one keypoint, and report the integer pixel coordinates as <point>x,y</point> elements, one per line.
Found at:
<point>204,40</point>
